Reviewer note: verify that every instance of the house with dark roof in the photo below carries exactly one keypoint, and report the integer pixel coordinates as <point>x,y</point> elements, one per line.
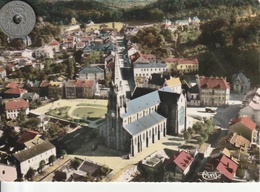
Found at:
<point>31,96</point>
<point>240,83</point>
<point>92,73</point>
<point>31,156</point>
<point>106,48</point>
<point>245,127</point>
<point>214,91</point>
<point>12,107</point>
<point>193,96</point>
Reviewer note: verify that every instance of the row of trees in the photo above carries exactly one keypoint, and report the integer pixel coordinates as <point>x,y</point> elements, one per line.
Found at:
<point>31,172</point>
<point>200,131</point>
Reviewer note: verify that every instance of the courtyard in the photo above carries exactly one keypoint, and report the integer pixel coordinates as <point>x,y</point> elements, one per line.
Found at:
<point>89,111</point>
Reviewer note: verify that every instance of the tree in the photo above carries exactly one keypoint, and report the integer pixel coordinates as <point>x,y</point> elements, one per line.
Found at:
<point>75,163</point>
<point>32,123</point>
<point>191,131</point>
<point>71,67</point>
<point>52,158</point>
<point>63,153</point>
<point>201,140</point>
<point>186,135</point>
<point>22,117</point>
<point>30,174</point>
<point>41,165</point>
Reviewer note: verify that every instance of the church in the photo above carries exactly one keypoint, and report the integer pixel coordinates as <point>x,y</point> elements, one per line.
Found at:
<point>149,116</point>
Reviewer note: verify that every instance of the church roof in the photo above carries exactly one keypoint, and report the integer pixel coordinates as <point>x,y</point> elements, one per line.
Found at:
<point>141,103</point>
<point>144,123</point>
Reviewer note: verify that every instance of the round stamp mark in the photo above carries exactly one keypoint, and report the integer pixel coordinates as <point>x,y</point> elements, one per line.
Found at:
<point>17,19</point>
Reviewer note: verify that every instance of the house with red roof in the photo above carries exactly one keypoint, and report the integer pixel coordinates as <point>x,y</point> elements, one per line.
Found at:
<point>214,91</point>
<point>15,92</point>
<point>12,107</point>
<point>12,85</point>
<point>79,89</point>
<point>245,127</point>
<point>2,72</point>
<point>133,48</point>
<point>183,161</point>
<point>223,167</point>
<point>55,45</point>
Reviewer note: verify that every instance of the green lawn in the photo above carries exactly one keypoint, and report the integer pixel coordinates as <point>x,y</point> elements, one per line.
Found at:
<point>86,112</point>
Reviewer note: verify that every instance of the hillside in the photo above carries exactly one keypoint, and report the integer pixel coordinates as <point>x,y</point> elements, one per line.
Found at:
<point>126,4</point>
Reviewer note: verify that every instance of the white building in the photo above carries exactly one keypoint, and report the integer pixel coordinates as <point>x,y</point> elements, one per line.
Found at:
<point>251,106</point>
<point>2,72</point>
<point>146,70</point>
<point>174,84</point>
<point>31,157</point>
<point>13,107</point>
<point>45,51</point>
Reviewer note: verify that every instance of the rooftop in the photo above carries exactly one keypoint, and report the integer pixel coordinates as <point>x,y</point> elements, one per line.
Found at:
<point>144,123</point>
<point>213,83</point>
<point>33,151</point>
<point>245,121</point>
<point>16,104</point>
<point>183,160</point>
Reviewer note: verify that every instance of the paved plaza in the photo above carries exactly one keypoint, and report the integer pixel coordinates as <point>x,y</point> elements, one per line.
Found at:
<point>118,164</point>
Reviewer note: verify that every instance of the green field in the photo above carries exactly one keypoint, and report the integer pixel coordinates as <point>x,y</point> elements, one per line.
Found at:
<point>86,112</point>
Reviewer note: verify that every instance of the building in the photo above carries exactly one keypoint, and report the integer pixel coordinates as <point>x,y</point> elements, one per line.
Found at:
<point>223,167</point>
<point>2,72</point>
<point>184,65</point>
<point>32,156</point>
<point>180,165</point>
<point>15,92</point>
<point>44,52</point>
<point>174,84</point>
<point>55,89</point>
<point>251,106</point>
<point>134,125</point>
<point>92,73</point>
<point>140,58</point>
<point>55,45</point>
<point>214,91</point>
<point>79,89</point>
<point>7,173</point>
<point>13,107</point>
<point>31,96</point>
<point>240,84</point>
<point>173,107</point>
<point>245,127</point>
<point>146,70</point>
<point>156,81</point>
<point>44,88</point>
<point>193,96</point>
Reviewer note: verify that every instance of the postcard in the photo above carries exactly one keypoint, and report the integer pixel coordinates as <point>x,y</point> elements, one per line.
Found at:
<point>151,93</point>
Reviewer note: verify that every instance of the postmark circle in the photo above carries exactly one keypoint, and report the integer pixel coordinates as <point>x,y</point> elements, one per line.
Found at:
<point>17,19</point>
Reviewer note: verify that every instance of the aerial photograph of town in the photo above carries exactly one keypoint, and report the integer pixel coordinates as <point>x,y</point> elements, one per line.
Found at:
<point>132,91</point>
